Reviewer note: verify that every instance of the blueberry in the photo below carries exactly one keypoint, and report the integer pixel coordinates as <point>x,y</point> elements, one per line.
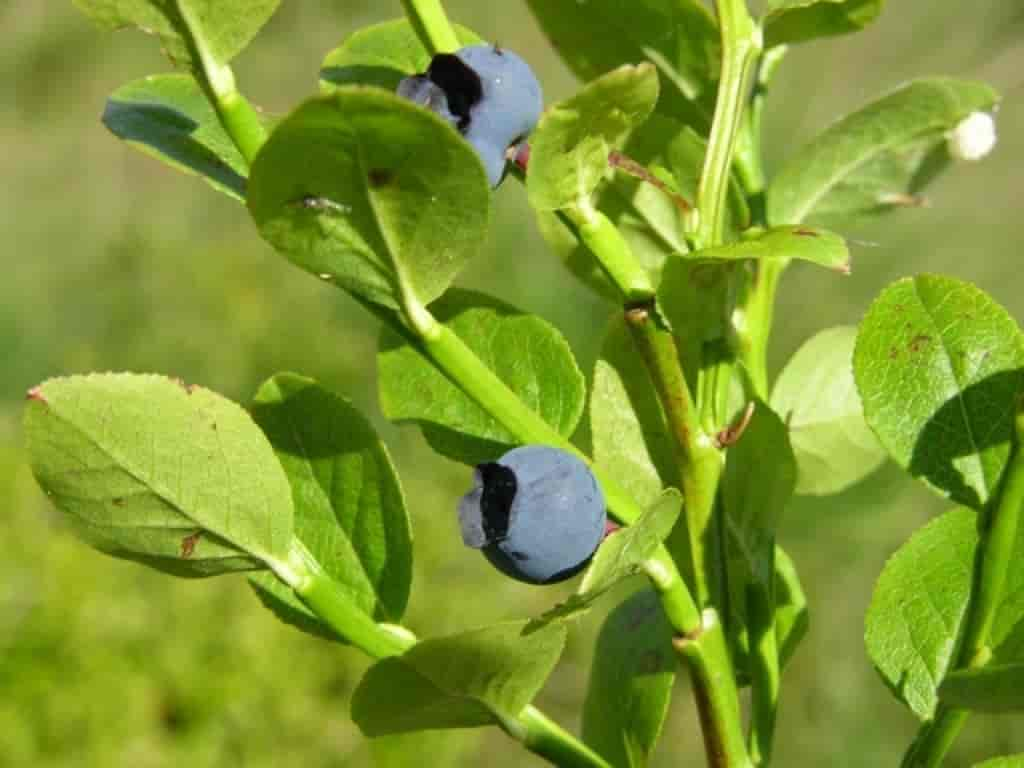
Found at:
<point>488,93</point>
<point>537,513</point>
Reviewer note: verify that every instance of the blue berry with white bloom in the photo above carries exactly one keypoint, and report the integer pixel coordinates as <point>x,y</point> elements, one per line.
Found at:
<point>537,514</point>
<point>488,93</point>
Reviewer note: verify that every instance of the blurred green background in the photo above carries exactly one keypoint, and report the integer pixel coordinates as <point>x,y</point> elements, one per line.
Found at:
<point>114,262</point>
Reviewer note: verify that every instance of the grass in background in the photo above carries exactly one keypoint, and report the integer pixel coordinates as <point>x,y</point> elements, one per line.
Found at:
<point>113,262</point>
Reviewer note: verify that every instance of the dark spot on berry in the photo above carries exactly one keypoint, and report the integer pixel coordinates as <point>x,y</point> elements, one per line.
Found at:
<point>496,499</point>
<point>460,83</point>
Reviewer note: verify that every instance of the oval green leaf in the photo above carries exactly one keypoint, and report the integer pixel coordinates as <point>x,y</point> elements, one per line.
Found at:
<point>475,678</point>
<point>222,29</point>
<point>526,352</point>
<point>372,192</point>
<point>797,21</point>
<point>918,606</point>
<point>993,688</point>
<point>877,158</point>
<point>569,149</point>
<point>816,396</point>
<point>631,682</point>
<point>349,509</point>
<point>680,37</point>
<point>169,117</point>
<point>817,246</point>
<point>381,55</point>
<point>147,469</point>
<point>939,368</point>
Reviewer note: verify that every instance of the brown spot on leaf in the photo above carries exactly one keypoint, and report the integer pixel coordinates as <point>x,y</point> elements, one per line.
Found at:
<point>36,394</point>
<point>118,502</point>
<point>188,544</point>
<point>918,342</point>
<point>380,177</point>
<point>804,232</point>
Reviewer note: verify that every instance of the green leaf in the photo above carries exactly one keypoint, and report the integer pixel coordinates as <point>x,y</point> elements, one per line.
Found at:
<point>796,21</point>
<point>631,682</point>
<point>622,554</point>
<point>653,223</point>
<point>680,37</point>
<point>146,469</point>
<point>817,397</point>
<point>569,148</point>
<point>381,55</point>
<point>223,28</point>
<point>526,352</point>
<point>993,688</point>
<point>349,508</point>
<point>169,117</point>
<point>1009,761</point>
<point>817,246</point>
<point>373,192</point>
<point>877,158</point>
<point>481,677</point>
<point>938,365</point>
<point>918,606</point>
<point>631,443</point>
<point>760,475</point>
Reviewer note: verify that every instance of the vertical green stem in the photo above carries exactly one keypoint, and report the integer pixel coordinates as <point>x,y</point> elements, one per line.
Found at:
<point>238,117</point>
<point>995,551</point>
<point>718,703</point>
<point>741,46</point>
<point>699,461</point>
<point>432,26</point>
<point>756,311</point>
<point>764,657</point>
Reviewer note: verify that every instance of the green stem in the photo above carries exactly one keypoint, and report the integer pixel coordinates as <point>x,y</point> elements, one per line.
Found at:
<point>707,654</point>
<point>699,461</point>
<point>741,46</point>
<point>238,117</point>
<point>764,657</point>
<point>547,739</point>
<point>613,253</point>
<point>995,552</point>
<point>332,605</point>
<point>460,364</point>
<point>432,26</point>
<point>315,587</point>
<point>753,320</point>
<point>755,314</point>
